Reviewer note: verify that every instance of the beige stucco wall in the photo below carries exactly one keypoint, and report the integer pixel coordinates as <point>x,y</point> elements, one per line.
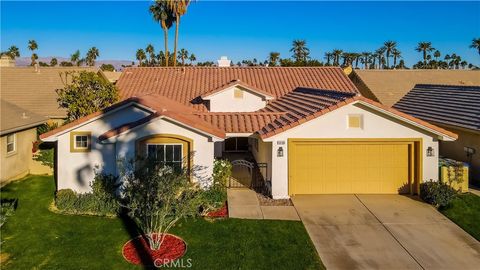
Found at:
<point>454,150</point>
<point>334,125</point>
<point>20,163</point>
<point>226,102</point>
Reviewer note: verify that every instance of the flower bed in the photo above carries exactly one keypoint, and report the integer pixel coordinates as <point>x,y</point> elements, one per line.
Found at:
<point>137,251</point>
<point>220,213</point>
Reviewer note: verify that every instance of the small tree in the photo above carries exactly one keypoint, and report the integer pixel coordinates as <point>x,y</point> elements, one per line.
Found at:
<point>157,197</point>
<point>85,93</point>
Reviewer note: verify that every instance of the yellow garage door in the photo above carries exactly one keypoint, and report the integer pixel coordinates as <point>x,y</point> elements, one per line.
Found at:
<point>346,167</point>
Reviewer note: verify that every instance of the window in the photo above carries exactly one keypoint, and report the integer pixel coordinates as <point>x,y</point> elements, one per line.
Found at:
<point>11,147</point>
<point>80,141</point>
<point>166,155</point>
<point>237,93</point>
<point>355,121</point>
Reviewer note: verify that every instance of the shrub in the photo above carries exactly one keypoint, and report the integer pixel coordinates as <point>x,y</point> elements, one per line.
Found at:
<point>101,201</point>
<point>216,195</point>
<point>437,193</point>
<point>45,157</point>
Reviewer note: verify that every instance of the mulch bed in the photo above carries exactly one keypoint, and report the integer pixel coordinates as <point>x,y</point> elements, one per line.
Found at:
<point>137,251</point>
<point>220,213</point>
<point>267,201</point>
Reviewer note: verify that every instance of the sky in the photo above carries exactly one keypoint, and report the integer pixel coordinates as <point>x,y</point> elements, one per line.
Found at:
<point>242,30</point>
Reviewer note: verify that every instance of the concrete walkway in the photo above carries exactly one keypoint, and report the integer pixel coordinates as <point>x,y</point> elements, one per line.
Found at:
<point>243,203</point>
<point>384,232</point>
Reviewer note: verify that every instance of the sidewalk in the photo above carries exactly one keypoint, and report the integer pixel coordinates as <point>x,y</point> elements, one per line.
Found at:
<point>243,203</point>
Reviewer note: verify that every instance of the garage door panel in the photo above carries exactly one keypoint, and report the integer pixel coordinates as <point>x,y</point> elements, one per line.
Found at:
<point>348,167</point>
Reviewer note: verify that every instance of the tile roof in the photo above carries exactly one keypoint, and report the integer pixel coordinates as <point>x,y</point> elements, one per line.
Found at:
<point>14,118</point>
<point>111,76</point>
<point>186,85</point>
<point>457,106</point>
<point>26,88</point>
<point>389,86</point>
<point>239,83</point>
<point>240,122</point>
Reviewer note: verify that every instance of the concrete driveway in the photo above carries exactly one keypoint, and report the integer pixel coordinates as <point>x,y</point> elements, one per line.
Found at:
<point>384,232</point>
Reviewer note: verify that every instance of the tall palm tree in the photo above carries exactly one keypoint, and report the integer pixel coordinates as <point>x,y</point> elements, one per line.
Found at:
<point>13,52</point>
<point>424,47</point>
<point>161,58</point>
<point>437,55</point>
<point>356,57</point>
<point>273,58</point>
<point>381,58</point>
<point>141,56</point>
<point>179,8</point>
<point>328,56</point>
<point>389,47</point>
<point>164,15</point>
<point>475,44</point>
<point>32,46</point>
<point>396,55</point>
<point>336,56</point>
<point>192,58</point>
<point>92,55</point>
<point>182,55</point>
<point>300,51</point>
<point>151,54</point>
<point>365,56</point>
<point>75,58</point>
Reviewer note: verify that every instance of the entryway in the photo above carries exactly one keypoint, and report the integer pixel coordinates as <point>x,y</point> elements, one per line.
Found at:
<point>384,232</point>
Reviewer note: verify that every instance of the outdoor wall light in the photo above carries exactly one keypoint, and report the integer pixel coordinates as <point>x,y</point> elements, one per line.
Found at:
<point>280,152</point>
<point>430,152</point>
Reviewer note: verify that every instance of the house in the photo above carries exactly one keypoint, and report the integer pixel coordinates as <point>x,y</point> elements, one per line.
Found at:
<point>28,99</point>
<point>18,132</point>
<point>111,76</point>
<point>389,86</point>
<point>456,108</point>
<point>308,125</point>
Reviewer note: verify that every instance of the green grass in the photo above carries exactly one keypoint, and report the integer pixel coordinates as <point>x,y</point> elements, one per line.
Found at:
<point>37,238</point>
<point>465,212</point>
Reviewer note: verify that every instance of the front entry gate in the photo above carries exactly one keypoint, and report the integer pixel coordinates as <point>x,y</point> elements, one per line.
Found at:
<point>246,174</point>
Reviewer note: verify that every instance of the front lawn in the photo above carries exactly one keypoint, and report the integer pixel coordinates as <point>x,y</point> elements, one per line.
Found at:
<point>34,237</point>
<point>465,212</point>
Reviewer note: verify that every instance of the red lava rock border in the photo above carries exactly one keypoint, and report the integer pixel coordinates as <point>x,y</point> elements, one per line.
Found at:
<point>173,248</point>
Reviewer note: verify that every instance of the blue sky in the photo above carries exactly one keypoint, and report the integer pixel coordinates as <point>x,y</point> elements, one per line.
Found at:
<point>242,30</point>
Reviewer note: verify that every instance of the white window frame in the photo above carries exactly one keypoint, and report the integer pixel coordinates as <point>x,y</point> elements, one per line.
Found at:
<point>75,142</point>
<point>14,144</point>
<point>165,152</point>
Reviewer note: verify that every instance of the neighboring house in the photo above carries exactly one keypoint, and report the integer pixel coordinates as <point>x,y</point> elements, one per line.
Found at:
<point>310,127</point>
<point>28,99</point>
<point>389,86</point>
<point>112,76</point>
<point>456,108</point>
<point>18,132</point>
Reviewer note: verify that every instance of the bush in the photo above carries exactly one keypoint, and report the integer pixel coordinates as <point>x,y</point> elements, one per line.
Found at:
<point>216,195</point>
<point>101,201</point>
<point>437,193</point>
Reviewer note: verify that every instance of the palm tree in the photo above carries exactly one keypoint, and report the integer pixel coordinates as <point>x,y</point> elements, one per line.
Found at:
<point>179,8</point>
<point>424,47</point>
<point>161,58</point>
<point>300,51</point>
<point>328,56</point>
<point>437,55</point>
<point>475,44</point>
<point>32,46</point>
<point>379,54</point>
<point>389,47</point>
<point>141,56</point>
<point>365,56</point>
<point>396,55</point>
<point>356,57</point>
<point>151,54</point>
<point>182,55</point>
<point>163,14</point>
<point>53,62</point>
<point>92,55</point>
<point>192,58</point>
<point>336,56</point>
<point>75,58</point>
<point>13,52</point>
<point>273,58</point>
<point>463,64</point>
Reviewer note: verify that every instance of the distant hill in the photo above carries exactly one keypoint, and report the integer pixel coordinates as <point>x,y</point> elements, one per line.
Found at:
<point>25,61</point>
